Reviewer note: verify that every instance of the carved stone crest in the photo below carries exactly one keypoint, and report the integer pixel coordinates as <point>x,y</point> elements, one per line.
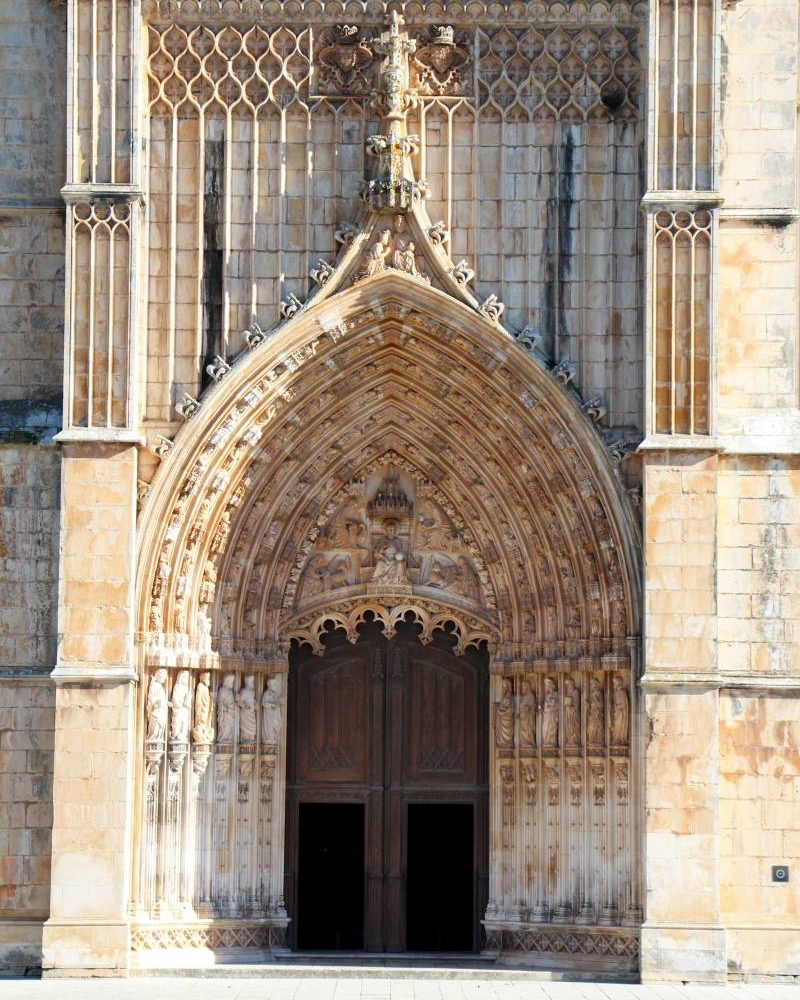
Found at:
<point>441,63</point>
<point>344,62</point>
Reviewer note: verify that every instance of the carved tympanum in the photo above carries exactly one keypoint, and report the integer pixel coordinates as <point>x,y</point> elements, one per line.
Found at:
<point>390,533</point>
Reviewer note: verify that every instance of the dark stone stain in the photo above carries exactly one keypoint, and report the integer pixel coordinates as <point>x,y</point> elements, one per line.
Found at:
<point>566,205</point>
<point>213,242</point>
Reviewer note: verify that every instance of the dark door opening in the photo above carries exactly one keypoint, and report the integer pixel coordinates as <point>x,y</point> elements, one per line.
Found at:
<point>439,874</point>
<point>330,890</point>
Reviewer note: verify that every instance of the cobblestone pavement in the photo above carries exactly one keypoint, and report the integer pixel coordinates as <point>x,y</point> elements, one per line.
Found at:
<point>322,985</point>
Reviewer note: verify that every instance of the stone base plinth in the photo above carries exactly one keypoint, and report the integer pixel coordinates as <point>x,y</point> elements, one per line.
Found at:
<point>85,948</point>
<point>683,953</point>
<point>202,943</point>
<point>568,947</point>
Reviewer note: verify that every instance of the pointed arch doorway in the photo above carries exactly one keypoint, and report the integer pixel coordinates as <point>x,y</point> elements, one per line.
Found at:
<point>387,794</point>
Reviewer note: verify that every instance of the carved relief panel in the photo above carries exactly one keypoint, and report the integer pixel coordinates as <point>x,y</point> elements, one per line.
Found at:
<point>390,535</point>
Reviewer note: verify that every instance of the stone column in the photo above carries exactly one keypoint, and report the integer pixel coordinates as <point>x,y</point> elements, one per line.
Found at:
<point>95,703</point>
<point>682,937</point>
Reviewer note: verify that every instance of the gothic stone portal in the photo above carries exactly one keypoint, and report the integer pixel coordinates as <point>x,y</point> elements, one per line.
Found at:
<point>389,726</point>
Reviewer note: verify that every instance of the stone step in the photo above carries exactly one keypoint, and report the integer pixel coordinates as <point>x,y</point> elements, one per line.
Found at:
<point>343,965</point>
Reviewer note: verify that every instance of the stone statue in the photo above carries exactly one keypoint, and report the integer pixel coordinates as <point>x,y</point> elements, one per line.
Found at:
<point>620,711</point>
<point>504,717</point>
<point>595,725</point>
<point>162,575</point>
<point>220,539</point>
<point>404,259</point>
<point>246,700</point>
<point>208,584</point>
<point>225,710</point>
<point>527,716</point>
<point>572,713</point>
<point>271,712</point>
<point>390,557</point>
<point>550,713</point>
<point>375,255</point>
<point>203,728</point>
<point>181,707</point>
<point>157,707</point>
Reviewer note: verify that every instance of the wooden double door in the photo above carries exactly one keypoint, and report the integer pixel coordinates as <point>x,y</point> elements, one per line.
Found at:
<point>387,839</point>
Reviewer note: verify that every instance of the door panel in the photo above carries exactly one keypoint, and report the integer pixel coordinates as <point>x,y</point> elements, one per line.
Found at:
<point>390,725</point>
<point>333,713</point>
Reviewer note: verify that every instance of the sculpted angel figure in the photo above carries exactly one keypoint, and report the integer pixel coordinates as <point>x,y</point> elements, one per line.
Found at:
<point>527,716</point>
<point>156,709</point>
<point>271,712</point>
<point>504,716</point>
<point>225,710</point>
<point>550,713</point>
<point>203,729</point>
<point>595,725</point>
<point>620,712</point>
<point>246,700</point>
<point>390,556</point>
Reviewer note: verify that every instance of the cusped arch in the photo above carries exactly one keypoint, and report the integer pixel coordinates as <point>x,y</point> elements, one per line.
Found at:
<point>388,373</point>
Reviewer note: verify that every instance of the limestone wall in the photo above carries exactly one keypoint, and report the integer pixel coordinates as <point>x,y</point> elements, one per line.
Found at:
<point>29,527</point>
<point>759,794</point>
<point>26,818</point>
<point>32,170</point>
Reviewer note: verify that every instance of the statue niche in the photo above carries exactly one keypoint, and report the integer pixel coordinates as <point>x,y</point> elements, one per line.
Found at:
<point>390,535</point>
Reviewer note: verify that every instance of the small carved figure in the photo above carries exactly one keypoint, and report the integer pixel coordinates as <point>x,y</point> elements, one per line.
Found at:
<point>390,556</point>
<point>595,725</point>
<point>504,717</point>
<point>375,255</point>
<point>208,585</point>
<point>156,709</point>
<point>203,728</point>
<point>220,539</point>
<point>620,712</point>
<point>162,574</point>
<point>404,259</point>
<point>181,706</point>
<point>225,710</point>
<point>246,700</point>
<point>550,713</point>
<point>572,713</point>
<point>326,573</point>
<point>527,716</point>
<point>271,712</point>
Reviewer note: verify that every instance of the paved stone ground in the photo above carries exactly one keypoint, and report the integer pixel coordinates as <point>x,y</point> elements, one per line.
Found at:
<point>327,987</point>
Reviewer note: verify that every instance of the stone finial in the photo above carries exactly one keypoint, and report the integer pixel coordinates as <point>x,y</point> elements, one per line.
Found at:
<point>492,308</point>
<point>563,372</point>
<point>290,306</point>
<point>528,338</point>
<point>218,368</point>
<point>254,335</point>
<point>462,273</point>
<point>188,406</point>
<point>321,274</point>
<point>438,233</point>
<point>594,409</point>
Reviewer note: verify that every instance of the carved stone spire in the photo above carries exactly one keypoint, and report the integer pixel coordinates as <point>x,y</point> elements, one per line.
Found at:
<point>394,186</point>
